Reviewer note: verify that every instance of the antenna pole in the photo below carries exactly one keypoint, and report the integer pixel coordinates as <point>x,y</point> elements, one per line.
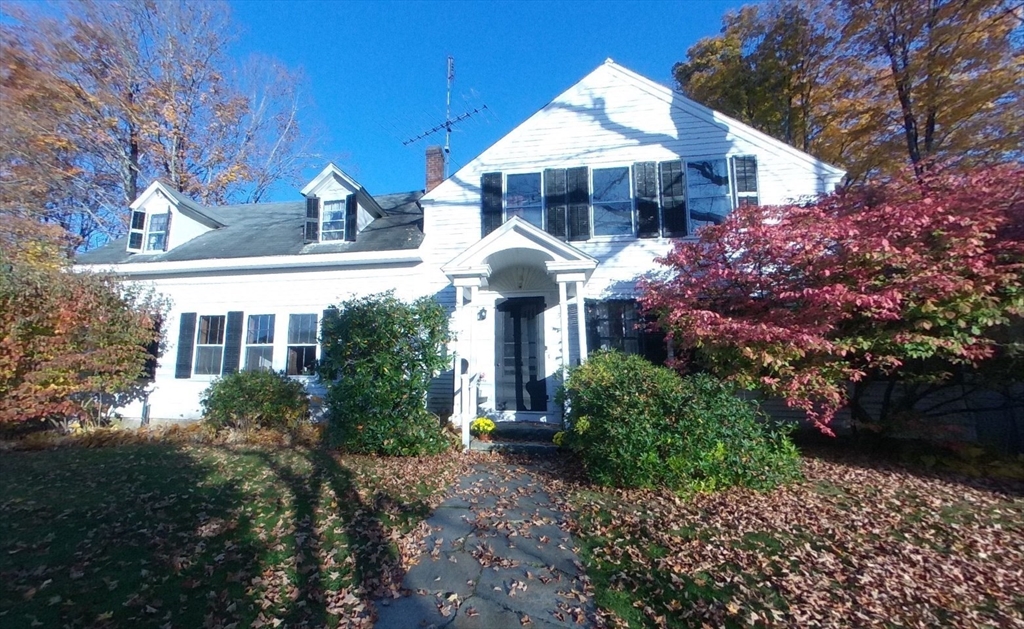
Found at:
<point>448,114</point>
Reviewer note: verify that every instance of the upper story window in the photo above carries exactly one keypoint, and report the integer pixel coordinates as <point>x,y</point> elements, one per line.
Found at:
<point>148,232</point>
<point>329,220</point>
<point>647,200</point>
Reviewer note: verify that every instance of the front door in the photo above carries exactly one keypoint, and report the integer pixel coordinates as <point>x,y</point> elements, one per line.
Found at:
<point>520,384</point>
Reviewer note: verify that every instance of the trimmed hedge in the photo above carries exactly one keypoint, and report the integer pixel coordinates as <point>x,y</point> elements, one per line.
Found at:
<point>634,424</point>
<point>247,400</point>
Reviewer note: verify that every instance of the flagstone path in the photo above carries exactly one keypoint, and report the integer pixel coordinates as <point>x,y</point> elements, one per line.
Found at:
<point>497,556</point>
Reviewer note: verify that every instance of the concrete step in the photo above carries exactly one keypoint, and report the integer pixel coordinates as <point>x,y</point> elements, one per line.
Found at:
<point>513,447</point>
<point>525,431</point>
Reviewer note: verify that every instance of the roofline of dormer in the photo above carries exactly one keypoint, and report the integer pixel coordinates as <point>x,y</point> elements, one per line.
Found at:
<point>364,198</point>
<point>182,203</point>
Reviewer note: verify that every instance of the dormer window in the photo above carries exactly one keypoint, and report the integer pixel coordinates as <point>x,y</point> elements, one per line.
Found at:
<point>148,232</point>
<point>329,220</point>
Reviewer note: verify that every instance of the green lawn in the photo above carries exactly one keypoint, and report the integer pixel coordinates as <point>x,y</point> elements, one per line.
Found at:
<point>200,536</point>
<point>858,543</point>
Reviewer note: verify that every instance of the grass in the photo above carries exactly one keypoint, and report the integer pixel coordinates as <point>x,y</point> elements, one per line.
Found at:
<point>859,542</point>
<point>158,535</point>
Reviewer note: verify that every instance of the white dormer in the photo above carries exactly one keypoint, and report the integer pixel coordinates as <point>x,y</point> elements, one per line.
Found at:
<point>163,219</point>
<point>337,207</point>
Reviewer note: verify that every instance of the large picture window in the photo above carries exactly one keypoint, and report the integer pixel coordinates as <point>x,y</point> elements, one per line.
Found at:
<point>301,344</point>
<point>210,345</point>
<point>259,343</point>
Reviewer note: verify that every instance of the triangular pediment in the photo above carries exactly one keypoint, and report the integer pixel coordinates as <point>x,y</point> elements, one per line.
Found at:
<point>519,243</point>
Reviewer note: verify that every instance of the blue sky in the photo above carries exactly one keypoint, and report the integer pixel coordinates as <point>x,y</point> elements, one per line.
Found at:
<point>376,70</point>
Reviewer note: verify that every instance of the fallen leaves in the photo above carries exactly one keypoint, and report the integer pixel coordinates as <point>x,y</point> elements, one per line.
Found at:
<point>858,542</point>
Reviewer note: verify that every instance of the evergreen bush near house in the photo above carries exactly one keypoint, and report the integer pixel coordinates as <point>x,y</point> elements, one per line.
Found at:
<point>634,424</point>
<point>379,355</point>
<point>255,399</point>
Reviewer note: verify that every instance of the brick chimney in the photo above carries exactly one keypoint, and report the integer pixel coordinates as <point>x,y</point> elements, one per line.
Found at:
<point>435,167</point>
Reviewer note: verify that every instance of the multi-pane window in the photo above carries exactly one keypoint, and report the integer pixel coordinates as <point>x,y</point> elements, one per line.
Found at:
<point>259,343</point>
<point>523,198</point>
<point>156,234</point>
<point>138,226</point>
<point>312,232</point>
<point>209,345</point>
<point>616,324</point>
<point>302,334</point>
<point>707,192</point>
<point>648,199</point>
<point>333,226</point>
<point>745,176</point>
<point>612,202</point>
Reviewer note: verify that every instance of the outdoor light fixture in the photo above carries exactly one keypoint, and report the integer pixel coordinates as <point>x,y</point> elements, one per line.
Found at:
<point>482,314</point>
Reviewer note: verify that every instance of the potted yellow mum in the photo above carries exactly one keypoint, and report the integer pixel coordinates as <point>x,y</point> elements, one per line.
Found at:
<point>481,428</point>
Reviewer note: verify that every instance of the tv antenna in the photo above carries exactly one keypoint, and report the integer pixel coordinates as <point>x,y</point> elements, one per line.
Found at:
<point>448,120</point>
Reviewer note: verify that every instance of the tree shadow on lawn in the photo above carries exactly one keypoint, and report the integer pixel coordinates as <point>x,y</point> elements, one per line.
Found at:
<point>156,534</point>
<point>134,535</point>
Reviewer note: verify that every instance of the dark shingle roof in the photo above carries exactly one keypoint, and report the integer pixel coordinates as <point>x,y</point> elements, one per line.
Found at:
<point>275,229</point>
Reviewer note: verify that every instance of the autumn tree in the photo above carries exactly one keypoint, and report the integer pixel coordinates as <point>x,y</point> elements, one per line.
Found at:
<point>72,344</point>
<point>105,97</point>
<point>906,281</point>
<point>871,85</point>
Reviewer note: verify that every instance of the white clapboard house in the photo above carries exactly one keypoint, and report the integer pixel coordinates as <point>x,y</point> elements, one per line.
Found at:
<point>535,246</point>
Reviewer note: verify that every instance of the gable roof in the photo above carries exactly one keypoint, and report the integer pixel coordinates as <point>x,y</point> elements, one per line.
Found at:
<point>275,229</point>
<point>362,195</point>
<point>185,205</point>
<point>692,107</point>
<point>587,97</point>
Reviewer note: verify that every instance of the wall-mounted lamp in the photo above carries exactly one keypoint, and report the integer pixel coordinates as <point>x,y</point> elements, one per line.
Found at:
<point>482,314</point>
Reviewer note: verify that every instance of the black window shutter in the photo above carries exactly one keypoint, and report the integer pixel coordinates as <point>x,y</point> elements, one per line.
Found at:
<point>312,232</point>
<point>186,342</point>
<point>351,212</point>
<point>232,342</point>
<point>673,200</point>
<point>646,175</point>
<point>577,182</point>
<point>490,202</point>
<point>555,201</point>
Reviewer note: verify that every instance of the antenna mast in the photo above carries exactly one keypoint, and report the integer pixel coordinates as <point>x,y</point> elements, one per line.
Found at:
<point>448,120</point>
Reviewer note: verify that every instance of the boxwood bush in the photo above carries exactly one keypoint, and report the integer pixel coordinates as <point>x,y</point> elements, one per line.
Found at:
<point>379,355</point>
<point>255,399</point>
<point>634,424</point>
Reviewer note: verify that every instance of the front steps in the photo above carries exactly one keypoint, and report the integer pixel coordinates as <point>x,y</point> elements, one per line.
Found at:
<point>519,438</point>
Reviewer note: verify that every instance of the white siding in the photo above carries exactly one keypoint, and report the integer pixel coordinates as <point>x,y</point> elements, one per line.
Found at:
<point>613,118</point>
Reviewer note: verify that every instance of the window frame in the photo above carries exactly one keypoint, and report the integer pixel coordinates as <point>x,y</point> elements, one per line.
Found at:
<point>648,345</point>
<point>137,231</point>
<point>632,206</point>
<point>305,346</point>
<point>199,345</point>
<point>339,234</point>
<point>252,340</point>
<point>149,231</point>
<point>542,205</point>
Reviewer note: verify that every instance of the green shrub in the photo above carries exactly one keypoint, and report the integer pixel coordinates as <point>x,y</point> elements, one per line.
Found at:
<point>255,399</point>
<point>634,424</point>
<point>379,356</point>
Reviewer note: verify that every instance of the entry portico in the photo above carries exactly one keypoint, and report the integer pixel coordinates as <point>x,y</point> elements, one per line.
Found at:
<point>514,291</point>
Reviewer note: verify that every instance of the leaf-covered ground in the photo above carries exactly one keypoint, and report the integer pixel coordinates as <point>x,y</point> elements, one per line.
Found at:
<point>198,536</point>
<point>858,543</point>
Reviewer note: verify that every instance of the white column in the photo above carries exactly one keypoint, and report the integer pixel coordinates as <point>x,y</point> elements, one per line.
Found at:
<point>563,312</point>
<point>581,320</point>
<point>456,357</point>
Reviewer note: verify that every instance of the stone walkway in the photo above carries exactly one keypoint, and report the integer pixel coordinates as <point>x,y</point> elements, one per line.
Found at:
<point>497,557</point>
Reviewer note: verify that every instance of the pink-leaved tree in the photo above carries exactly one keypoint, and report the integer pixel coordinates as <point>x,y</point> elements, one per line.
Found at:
<point>912,279</point>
